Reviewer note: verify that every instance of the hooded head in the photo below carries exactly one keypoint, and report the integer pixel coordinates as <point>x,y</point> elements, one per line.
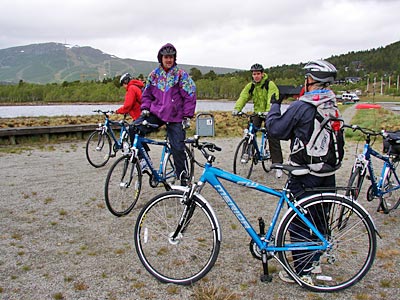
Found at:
<point>167,49</point>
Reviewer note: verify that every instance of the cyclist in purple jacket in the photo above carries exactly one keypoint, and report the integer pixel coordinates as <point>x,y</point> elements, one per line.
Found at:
<point>169,98</point>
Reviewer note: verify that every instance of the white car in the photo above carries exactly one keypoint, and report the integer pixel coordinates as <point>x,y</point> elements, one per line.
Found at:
<point>350,97</point>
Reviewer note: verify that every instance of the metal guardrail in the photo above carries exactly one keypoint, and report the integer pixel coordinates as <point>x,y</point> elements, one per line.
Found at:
<point>12,133</point>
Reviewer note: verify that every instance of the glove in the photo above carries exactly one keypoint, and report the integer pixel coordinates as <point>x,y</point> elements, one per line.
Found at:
<point>186,123</point>
<point>274,100</point>
<point>145,113</point>
<point>235,112</point>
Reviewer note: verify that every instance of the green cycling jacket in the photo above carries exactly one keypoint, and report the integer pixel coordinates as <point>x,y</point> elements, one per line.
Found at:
<point>260,96</point>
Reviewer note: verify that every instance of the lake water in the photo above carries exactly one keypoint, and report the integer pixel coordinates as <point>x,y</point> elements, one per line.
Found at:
<point>87,109</point>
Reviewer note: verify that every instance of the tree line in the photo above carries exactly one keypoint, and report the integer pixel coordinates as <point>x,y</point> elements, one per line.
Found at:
<point>381,66</point>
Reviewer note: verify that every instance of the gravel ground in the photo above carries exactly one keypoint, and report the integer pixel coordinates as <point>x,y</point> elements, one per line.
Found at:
<point>58,240</point>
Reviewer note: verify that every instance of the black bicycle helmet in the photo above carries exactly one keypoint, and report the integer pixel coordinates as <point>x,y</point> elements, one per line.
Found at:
<point>257,67</point>
<point>321,70</point>
<point>167,49</point>
<point>125,78</point>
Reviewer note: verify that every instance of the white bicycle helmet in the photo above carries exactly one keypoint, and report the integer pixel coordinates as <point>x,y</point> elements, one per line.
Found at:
<point>321,70</point>
<point>125,78</point>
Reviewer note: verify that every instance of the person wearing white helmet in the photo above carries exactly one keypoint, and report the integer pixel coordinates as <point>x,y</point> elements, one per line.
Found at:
<point>133,96</point>
<point>297,124</point>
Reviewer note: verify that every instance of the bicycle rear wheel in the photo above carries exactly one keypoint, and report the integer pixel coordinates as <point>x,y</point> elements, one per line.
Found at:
<point>123,186</point>
<point>390,200</point>
<point>243,160</point>
<point>193,252</point>
<point>98,148</point>
<point>351,251</point>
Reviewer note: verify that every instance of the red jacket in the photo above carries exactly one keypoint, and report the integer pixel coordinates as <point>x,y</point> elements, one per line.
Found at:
<point>133,99</point>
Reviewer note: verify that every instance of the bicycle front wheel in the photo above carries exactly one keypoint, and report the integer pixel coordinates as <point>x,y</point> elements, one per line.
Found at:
<point>355,183</point>
<point>243,160</point>
<point>351,250</point>
<point>192,253</point>
<point>98,148</point>
<point>390,200</point>
<point>266,156</point>
<point>123,186</point>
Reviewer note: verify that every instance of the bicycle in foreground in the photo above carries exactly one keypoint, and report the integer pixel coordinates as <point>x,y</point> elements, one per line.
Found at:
<point>124,179</point>
<point>102,142</point>
<point>178,236</point>
<point>248,153</point>
<point>387,187</point>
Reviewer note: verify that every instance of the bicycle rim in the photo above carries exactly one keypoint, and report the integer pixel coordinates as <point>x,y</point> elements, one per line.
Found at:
<point>390,200</point>
<point>352,250</point>
<point>123,186</point>
<point>98,149</point>
<point>185,259</point>
<point>243,159</point>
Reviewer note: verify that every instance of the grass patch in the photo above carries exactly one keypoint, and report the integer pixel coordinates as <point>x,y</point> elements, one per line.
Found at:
<point>210,291</point>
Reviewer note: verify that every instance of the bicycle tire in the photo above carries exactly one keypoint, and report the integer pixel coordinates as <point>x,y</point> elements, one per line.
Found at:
<point>98,148</point>
<point>391,199</point>
<point>243,160</point>
<point>123,186</point>
<point>355,183</point>
<point>266,161</point>
<point>186,259</point>
<point>352,251</point>
<point>168,170</point>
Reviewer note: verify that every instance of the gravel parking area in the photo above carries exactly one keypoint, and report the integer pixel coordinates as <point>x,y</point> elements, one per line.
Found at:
<point>58,240</point>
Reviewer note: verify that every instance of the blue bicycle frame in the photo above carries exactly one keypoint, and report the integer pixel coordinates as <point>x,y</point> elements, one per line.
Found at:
<point>139,148</point>
<point>212,174</point>
<point>387,165</point>
<point>107,128</point>
<point>252,130</point>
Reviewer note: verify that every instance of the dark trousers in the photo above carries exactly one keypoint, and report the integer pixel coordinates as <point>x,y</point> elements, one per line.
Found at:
<point>274,144</point>
<point>303,259</point>
<point>176,136</point>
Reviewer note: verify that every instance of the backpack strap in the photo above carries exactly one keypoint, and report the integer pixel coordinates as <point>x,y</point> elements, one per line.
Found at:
<point>265,86</point>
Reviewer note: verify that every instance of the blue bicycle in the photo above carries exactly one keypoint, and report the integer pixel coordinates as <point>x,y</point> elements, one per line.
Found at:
<point>124,179</point>
<point>178,236</point>
<point>99,145</point>
<point>248,153</point>
<point>387,187</point>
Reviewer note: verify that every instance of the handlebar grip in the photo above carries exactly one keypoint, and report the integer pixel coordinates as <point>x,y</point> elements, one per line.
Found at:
<point>216,148</point>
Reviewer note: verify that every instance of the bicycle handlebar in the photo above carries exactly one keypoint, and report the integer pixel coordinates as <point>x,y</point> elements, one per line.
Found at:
<point>203,147</point>
<point>367,131</point>
<point>251,115</point>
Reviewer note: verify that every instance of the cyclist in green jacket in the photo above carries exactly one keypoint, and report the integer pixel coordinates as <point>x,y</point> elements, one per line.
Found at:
<point>261,90</point>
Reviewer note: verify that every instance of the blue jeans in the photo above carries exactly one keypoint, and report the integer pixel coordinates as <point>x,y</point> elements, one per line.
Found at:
<point>304,259</point>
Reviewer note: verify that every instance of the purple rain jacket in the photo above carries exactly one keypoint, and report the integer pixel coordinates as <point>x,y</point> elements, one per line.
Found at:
<point>171,95</point>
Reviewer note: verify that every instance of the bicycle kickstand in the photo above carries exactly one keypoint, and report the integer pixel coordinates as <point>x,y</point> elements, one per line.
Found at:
<point>265,277</point>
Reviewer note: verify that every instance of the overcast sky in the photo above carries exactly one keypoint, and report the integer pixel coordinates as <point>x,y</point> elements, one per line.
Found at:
<point>223,33</point>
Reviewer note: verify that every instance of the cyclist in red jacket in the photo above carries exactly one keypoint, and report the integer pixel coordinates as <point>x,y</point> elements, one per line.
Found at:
<point>133,96</point>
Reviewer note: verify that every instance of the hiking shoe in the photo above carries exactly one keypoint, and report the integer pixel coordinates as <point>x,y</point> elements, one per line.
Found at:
<point>144,166</point>
<point>307,279</point>
<point>317,269</point>
<point>285,277</point>
<point>278,173</point>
